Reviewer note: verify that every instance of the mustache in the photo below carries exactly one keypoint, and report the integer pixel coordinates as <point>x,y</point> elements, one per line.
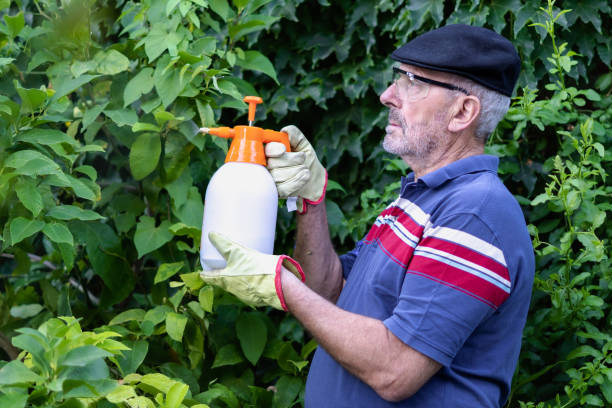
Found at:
<point>394,116</point>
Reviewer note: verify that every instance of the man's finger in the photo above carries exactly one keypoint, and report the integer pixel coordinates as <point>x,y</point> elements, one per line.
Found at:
<point>274,149</point>
<point>286,160</point>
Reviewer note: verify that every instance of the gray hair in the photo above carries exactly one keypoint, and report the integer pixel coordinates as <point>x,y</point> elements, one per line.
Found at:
<point>493,107</point>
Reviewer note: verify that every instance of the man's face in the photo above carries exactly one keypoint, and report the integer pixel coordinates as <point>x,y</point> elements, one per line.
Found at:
<point>418,120</point>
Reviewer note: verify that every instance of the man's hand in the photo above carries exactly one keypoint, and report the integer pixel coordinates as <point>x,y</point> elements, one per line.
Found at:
<point>299,172</point>
<point>251,276</point>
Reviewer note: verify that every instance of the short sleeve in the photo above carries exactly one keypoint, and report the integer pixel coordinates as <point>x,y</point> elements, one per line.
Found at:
<point>348,260</point>
<point>456,279</point>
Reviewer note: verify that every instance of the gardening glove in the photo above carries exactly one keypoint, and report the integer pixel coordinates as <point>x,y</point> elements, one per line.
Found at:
<point>253,277</point>
<point>299,172</point>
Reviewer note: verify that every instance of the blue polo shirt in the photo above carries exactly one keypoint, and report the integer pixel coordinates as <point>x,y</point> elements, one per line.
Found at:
<point>448,267</point>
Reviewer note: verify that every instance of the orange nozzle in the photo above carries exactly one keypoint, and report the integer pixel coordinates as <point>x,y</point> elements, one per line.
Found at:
<point>247,143</point>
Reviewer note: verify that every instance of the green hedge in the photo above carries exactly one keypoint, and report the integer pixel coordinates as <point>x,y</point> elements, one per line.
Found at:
<point>103,175</point>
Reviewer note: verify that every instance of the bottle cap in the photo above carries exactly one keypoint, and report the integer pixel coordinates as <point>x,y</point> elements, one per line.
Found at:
<point>247,143</point>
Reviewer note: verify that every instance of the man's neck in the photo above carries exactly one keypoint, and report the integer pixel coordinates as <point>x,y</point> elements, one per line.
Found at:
<point>442,157</point>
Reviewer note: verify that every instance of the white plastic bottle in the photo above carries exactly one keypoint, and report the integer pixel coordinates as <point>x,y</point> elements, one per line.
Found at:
<point>241,203</point>
<point>241,198</point>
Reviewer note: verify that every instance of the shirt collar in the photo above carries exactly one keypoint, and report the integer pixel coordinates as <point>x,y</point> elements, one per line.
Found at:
<point>472,164</point>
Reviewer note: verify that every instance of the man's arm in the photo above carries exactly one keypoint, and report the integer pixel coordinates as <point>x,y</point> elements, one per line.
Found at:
<point>362,345</point>
<point>316,255</point>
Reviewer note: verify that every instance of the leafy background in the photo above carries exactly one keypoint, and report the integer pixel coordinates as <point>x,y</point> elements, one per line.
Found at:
<point>103,175</point>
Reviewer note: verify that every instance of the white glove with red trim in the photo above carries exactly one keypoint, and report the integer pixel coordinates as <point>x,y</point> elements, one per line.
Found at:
<point>251,276</point>
<point>299,172</point>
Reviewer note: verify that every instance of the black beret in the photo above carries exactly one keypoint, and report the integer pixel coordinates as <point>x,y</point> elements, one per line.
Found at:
<point>476,53</point>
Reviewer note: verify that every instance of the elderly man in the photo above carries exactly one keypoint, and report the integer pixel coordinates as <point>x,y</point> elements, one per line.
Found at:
<point>428,309</point>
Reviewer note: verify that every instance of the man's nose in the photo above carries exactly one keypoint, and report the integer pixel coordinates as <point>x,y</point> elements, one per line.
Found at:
<point>389,97</point>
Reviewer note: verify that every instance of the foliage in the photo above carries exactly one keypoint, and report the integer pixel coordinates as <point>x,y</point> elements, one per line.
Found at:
<point>103,173</point>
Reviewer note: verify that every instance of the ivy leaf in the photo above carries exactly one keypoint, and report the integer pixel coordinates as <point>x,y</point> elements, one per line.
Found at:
<point>21,228</point>
<point>144,155</point>
<point>252,333</point>
<point>28,194</point>
<point>58,233</point>
<point>148,238</point>
<point>175,325</point>
<point>256,61</point>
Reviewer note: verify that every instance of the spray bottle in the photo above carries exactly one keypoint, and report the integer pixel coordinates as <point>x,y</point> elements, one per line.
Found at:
<point>241,199</point>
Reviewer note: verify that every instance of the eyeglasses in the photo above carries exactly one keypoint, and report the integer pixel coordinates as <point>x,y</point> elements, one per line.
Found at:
<point>412,87</point>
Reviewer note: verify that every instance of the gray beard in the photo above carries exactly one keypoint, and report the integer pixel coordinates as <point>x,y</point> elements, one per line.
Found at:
<point>418,140</point>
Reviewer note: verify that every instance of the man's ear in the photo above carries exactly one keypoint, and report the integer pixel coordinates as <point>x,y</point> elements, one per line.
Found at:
<point>467,109</point>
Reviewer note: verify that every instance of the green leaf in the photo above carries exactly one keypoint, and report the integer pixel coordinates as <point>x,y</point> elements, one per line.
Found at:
<point>121,394</point>
<point>140,85</point>
<point>13,400</point>
<point>584,351</point>
<point>144,155</point>
<point>128,316</point>
<point>256,61</point>
<point>21,228</point>
<point>221,7</point>
<point>111,62</point>
<point>176,395</point>
<point>252,333</point>
<point>167,270</point>
<point>288,388</point>
<point>227,355</point>
<point>81,356</point>
<point>145,127</point>
<point>131,359</point>
<point>206,298</point>
<point>31,99</point>
<point>15,372</point>
<point>71,212</point>
<point>192,280</point>
<point>26,311</point>
<point>148,238</point>
<point>66,86</point>
<point>168,84</point>
<point>58,233</point>
<point>14,23</point>
<point>28,194</point>
<point>4,4</point>
<point>32,163</point>
<point>170,5</point>
<point>175,325</point>
<point>122,117</point>
<point>106,255</point>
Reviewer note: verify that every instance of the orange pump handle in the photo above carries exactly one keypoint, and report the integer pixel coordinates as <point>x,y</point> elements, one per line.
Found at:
<point>253,101</point>
<point>247,146</point>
